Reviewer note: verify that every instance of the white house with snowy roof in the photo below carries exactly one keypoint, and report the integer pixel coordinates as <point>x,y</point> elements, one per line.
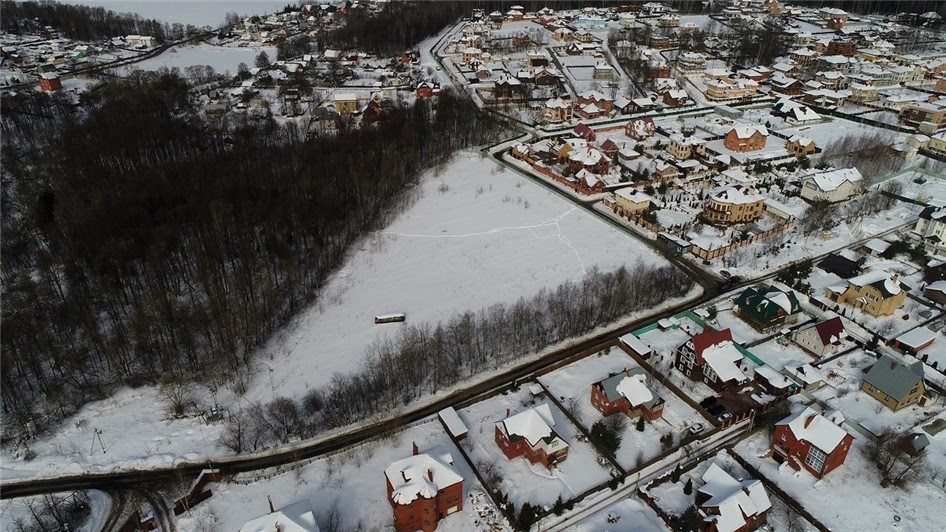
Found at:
<point>822,338</point>
<point>730,505</point>
<point>931,228</point>
<point>529,433</point>
<point>423,489</point>
<point>833,185</point>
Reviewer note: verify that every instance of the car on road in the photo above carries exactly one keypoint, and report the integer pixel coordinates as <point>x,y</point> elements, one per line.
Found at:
<point>725,274</point>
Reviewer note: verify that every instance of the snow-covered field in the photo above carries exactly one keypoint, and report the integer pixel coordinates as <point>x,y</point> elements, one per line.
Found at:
<point>352,481</point>
<point>521,480</point>
<point>220,58</point>
<point>573,383</point>
<point>627,514</point>
<point>850,497</point>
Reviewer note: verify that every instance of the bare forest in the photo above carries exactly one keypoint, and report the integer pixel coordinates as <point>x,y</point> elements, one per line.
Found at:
<point>145,245</point>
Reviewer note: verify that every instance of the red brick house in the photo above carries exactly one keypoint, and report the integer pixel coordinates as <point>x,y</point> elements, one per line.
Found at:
<point>746,138</point>
<point>712,357</point>
<point>588,158</point>
<point>841,47</point>
<point>426,89</point>
<point>602,102</point>
<point>729,505</point>
<point>585,132</point>
<point>49,81</point>
<point>627,392</point>
<point>422,490</point>
<point>811,441</point>
<point>529,433</point>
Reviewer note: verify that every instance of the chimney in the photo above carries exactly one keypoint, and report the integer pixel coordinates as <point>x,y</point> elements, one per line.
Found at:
<point>272,509</point>
<point>430,475</point>
<point>809,420</point>
<point>895,277</point>
<point>416,450</point>
<point>893,365</point>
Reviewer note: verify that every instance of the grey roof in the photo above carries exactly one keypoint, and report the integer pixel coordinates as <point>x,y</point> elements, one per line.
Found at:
<point>918,441</point>
<point>610,386</point>
<point>893,377</point>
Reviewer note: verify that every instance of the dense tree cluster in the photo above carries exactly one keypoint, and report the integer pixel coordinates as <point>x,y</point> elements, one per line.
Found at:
<point>142,243</point>
<point>82,23</point>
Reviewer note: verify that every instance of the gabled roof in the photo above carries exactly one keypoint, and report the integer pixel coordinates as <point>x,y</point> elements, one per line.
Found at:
<point>894,378</point>
<point>830,331</point>
<point>708,338</point>
<point>764,305</point>
<point>882,281</point>
<point>297,517</point>
<point>420,475</point>
<point>735,500</point>
<point>933,213</point>
<point>840,265</point>
<point>808,425</point>
<point>534,425</point>
<point>632,384</point>
<point>831,180</point>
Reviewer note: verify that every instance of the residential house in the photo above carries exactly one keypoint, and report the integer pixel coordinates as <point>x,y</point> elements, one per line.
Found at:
<point>832,186</point>
<point>691,63</point>
<point>821,339</point>
<point>746,138</point>
<point>767,308</point>
<point>877,293</point>
<point>627,392</point>
<point>800,146</point>
<point>843,266</point>
<point>507,87</point>
<point>676,98</point>
<point>557,110</point>
<point>729,505</point>
<point>787,86</point>
<point>345,103</point>
<point>732,205</point>
<point>588,158</point>
<point>664,171</point>
<point>582,130</point>
<point>893,383</point>
<point>529,433</point>
<point>712,357</point>
<point>49,81</point>
<point>730,89</point>
<point>683,146</point>
<point>422,490</point>
<point>640,128</point>
<point>296,517</point>
<point>915,114</point>
<point>936,292</point>
<point>938,142</point>
<point>845,47</point>
<point>794,112</point>
<point>808,376</point>
<point>931,228</point>
<point>427,89</point>
<point>810,440</point>
<point>631,202</point>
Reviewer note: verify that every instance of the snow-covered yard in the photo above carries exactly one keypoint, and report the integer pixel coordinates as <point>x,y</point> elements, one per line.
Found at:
<point>350,484</point>
<point>843,378</point>
<point>627,514</point>
<point>220,58</point>
<point>850,497</point>
<point>520,480</point>
<point>572,385</point>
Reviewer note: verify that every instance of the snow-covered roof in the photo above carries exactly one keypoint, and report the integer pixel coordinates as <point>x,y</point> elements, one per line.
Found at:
<point>557,103</point>
<point>939,286</point>
<point>636,344</point>
<point>735,500</point>
<point>735,195</point>
<point>809,425</point>
<point>723,358</point>
<point>344,97</point>
<point>832,179</point>
<point>918,337</point>
<point>880,279</point>
<point>589,156</point>
<point>805,373</point>
<point>747,130</point>
<point>634,387</point>
<point>452,421</point>
<point>297,517</point>
<point>632,194</point>
<point>589,178</point>
<point>420,476</point>
<point>773,377</point>
<point>533,424</point>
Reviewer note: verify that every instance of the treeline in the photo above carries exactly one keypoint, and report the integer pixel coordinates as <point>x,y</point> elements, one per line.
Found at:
<point>145,245</point>
<point>426,358</point>
<point>81,23</point>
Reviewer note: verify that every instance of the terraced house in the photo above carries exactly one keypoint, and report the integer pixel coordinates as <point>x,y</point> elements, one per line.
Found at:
<point>894,383</point>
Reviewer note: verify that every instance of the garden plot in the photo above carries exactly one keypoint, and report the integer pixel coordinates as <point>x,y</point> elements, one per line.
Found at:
<point>572,385</point>
<point>850,497</point>
<point>843,377</point>
<point>923,187</point>
<point>627,514</point>
<point>350,485</point>
<point>522,481</point>
<point>778,354</point>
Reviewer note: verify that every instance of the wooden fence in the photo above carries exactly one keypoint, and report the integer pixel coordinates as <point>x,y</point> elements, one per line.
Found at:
<point>715,253</point>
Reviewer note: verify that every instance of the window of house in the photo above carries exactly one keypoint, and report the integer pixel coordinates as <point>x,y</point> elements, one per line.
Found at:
<point>815,458</point>
<point>784,437</point>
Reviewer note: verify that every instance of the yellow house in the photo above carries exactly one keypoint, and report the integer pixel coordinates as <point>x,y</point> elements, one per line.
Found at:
<point>345,104</point>
<point>630,201</point>
<point>893,383</point>
<point>876,293</point>
<point>733,205</point>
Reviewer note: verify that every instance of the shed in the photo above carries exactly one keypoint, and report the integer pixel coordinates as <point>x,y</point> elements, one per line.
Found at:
<point>451,420</point>
<point>636,345</point>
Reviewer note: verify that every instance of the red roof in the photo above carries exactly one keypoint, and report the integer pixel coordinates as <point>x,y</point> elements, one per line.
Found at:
<point>830,331</point>
<point>709,338</point>
<point>582,129</point>
<point>608,144</point>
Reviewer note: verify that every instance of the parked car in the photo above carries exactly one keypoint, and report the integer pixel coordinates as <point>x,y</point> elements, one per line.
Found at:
<point>716,409</point>
<point>696,428</point>
<point>724,416</point>
<point>705,403</point>
<point>725,274</point>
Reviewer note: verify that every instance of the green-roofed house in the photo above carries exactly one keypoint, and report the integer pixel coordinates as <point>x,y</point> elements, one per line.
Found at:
<point>894,383</point>
<point>767,308</point>
<point>627,392</point>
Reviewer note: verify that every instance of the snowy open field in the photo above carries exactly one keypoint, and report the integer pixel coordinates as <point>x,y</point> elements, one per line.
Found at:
<point>850,497</point>
<point>523,481</point>
<point>352,480</point>
<point>627,514</point>
<point>573,383</point>
<point>220,58</point>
